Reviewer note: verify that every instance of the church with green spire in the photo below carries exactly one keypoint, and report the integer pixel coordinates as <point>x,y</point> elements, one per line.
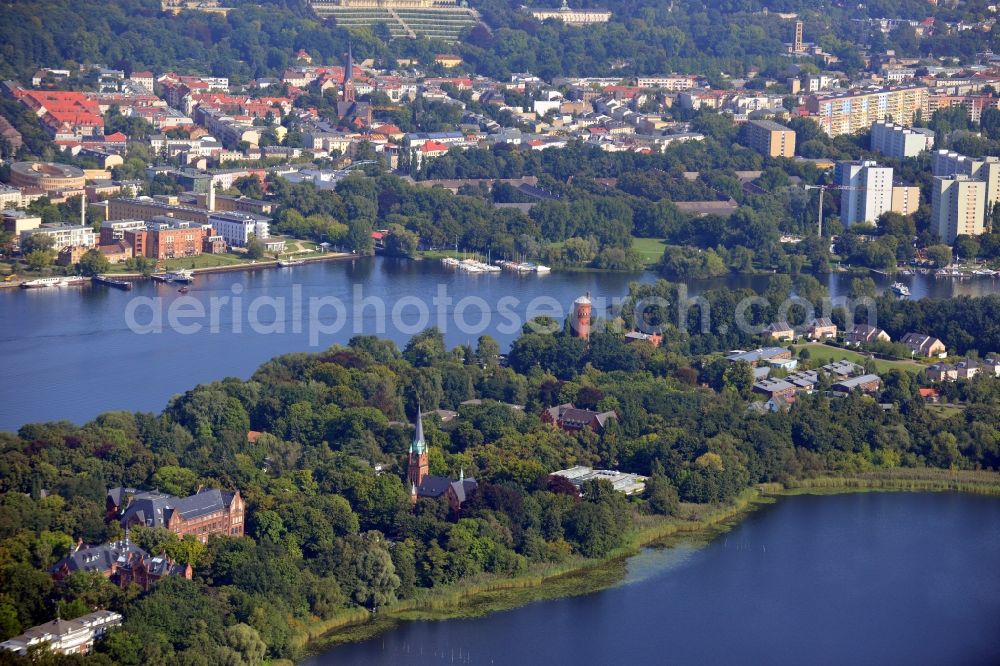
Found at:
<point>423,484</point>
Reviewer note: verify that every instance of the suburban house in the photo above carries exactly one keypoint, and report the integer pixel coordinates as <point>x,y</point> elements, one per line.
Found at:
<point>122,562</point>
<point>780,330</point>
<point>820,328</point>
<point>929,394</point>
<point>923,345</point>
<point>207,512</point>
<point>942,372</point>
<point>65,636</point>
<point>866,334</point>
<point>964,369</point>
<point>967,369</point>
<point>569,418</point>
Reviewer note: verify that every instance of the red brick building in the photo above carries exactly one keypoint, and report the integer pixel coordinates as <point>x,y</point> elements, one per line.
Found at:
<point>167,242</point>
<point>203,514</point>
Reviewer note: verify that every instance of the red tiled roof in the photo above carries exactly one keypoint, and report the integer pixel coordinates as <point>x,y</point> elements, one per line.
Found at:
<point>433,146</point>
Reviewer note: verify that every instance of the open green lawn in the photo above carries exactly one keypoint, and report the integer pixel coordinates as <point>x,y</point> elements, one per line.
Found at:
<point>946,411</point>
<point>820,352</point>
<point>650,249</point>
<point>204,261</point>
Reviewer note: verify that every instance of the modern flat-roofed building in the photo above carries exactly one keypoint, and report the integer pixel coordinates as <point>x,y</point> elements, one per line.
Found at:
<point>17,222</point>
<point>947,163</point>
<point>958,207</point>
<point>866,193</point>
<point>905,199</point>
<point>623,482</point>
<point>770,139</point>
<point>237,228</point>
<point>898,142</point>
<point>672,83</point>
<point>161,241</point>
<point>113,231</point>
<point>66,235</point>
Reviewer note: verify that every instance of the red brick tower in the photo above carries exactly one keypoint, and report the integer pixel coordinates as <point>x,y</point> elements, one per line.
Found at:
<point>581,317</point>
<point>419,466</point>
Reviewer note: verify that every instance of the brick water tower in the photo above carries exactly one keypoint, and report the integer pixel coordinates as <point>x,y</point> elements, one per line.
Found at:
<point>581,317</point>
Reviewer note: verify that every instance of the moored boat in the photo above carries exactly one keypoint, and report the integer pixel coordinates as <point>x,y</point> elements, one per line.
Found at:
<point>40,283</point>
<point>180,275</point>
<point>124,285</point>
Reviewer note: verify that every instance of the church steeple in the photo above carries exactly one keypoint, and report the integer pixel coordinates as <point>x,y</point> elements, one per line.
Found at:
<point>348,91</point>
<point>418,445</point>
<point>419,466</point>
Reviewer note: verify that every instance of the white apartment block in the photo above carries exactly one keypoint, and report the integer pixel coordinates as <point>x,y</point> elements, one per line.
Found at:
<point>958,207</point>
<point>673,83</point>
<point>68,235</point>
<point>898,142</point>
<point>236,228</point>
<point>866,193</point>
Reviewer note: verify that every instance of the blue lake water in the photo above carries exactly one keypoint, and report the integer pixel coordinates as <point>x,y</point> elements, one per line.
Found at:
<point>68,353</point>
<point>876,578</point>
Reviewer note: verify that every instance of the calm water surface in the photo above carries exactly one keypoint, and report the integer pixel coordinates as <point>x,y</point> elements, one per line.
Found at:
<point>877,578</point>
<point>68,354</point>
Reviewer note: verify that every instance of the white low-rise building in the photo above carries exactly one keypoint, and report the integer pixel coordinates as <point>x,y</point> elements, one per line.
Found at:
<point>623,482</point>
<point>65,636</point>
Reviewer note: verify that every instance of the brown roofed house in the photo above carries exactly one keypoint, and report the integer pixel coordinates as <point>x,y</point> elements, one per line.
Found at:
<point>570,418</point>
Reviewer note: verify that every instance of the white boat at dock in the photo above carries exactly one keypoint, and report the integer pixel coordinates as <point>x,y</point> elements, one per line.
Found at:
<point>41,283</point>
<point>284,263</point>
<point>182,275</point>
<point>523,267</point>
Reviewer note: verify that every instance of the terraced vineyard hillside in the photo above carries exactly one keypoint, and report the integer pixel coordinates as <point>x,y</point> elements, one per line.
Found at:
<point>403,18</point>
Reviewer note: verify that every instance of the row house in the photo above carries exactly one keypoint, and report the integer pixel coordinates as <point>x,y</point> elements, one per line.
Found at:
<point>964,369</point>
